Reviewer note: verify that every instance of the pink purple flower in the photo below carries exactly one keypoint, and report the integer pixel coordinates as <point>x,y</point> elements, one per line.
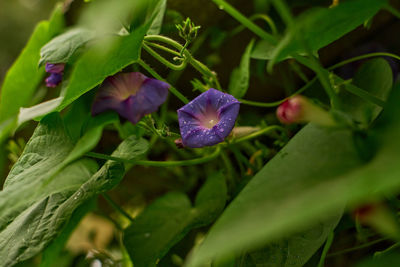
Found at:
<point>299,109</point>
<point>132,95</point>
<point>291,110</point>
<point>56,74</point>
<point>208,119</point>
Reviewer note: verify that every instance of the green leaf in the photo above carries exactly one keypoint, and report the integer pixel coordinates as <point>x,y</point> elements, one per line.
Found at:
<point>53,251</point>
<point>41,162</point>
<point>147,11</point>
<point>275,202</point>
<point>155,27</point>
<point>62,47</point>
<point>92,136</point>
<point>390,259</point>
<point>296,250</point>
<point>319,27</point>
<point>169,218</point>
<point>24,76</point>
<point>37,111</point>
<point>376,78</point>
<point>44,188</point>
<point>263,50</point>
<point>239,82</point>
<point>41,150</point>
<point>36,225</point>
<point>314,176</point>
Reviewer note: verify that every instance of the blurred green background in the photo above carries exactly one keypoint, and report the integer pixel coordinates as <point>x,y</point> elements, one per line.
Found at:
<point>17,21</point>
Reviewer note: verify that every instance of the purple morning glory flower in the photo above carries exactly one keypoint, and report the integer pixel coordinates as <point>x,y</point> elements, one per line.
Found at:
<point>208,119</point>
<point>132,95</point>
<point>56,74</point>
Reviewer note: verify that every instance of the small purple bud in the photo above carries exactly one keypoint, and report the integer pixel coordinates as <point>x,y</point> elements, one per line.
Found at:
<point>53,80</point>
<point>132,95</point>
<point>56,74</point>
<point>208,119</point>
<point>55,68</point>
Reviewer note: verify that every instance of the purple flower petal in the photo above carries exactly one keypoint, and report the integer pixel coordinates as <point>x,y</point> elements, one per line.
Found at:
<point>54,68</point>
<point>53,80</point>
<point>132,95</point>
<point>208,119</point>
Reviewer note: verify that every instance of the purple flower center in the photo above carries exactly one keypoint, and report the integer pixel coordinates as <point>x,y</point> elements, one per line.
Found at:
<point>124,86</point>
<point>209,119</point>
<point>132,95</point>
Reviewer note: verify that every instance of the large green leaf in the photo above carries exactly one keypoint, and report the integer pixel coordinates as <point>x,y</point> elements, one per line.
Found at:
<point>49,150</point>
<point>294,251</point>
<point>35,226</point>
<point>313,177</point>
<point>319,27</point>
<point>24,76</point>
<point>169,218</point>
<point>239,82</point>
<point>275,202</point>
<point>43,189</point>
<point>388,259</point>
<point>53,251</point>
<point>62,47</point>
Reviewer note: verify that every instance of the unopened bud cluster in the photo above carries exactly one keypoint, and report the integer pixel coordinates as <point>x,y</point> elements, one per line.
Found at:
<point>188,30</point>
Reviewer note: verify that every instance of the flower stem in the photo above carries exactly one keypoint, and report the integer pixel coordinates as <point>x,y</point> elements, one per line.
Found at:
<point>256,134</point>
<point>376,54</point>
<point>157,76</point>
<point>322,75</point>
<point>166,49</point>
<point>327,246</point>
<point>205,71</point>
<point>163,60</point>
<point>117,207</point>
<point>230,173</point>
<point>276,103</point>
<point>159,163</point>
<point>245,21</point>
<point>392,10</point>
<point>200,67</point>
<point>386,251</point>
<point>365,245</point>
<point>338,65</point>
<point>254,17</point>
<point>284,11</point>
